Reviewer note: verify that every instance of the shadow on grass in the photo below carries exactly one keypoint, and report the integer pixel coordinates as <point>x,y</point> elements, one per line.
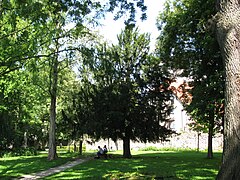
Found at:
<point>158,165</point>
<point>13,167</point>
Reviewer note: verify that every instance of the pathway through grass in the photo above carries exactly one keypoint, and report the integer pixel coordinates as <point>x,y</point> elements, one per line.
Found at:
<point>147,165</point>
<point>14,167</point>
<point>53,170</point>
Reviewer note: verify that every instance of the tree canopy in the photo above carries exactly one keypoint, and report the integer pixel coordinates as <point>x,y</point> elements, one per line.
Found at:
<point>191,50</point>
<point>41,41</point>
<point>126,99</point>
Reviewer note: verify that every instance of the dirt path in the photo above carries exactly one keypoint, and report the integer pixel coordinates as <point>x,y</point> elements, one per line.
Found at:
<point>53,170</point>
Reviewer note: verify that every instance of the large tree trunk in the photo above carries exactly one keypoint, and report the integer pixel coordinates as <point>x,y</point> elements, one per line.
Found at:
<point>126,148</point>
<point>52,153</point>
<point>228,34</point>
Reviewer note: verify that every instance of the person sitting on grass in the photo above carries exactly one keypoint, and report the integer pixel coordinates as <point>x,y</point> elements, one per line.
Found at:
<point>105,149</point>
<point>100,152</point>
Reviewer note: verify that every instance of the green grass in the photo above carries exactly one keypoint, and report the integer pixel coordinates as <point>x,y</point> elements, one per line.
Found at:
<point>147,165</point>
<point>12,167</point>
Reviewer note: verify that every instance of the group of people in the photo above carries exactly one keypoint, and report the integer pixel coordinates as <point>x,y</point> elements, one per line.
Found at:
<point>102,151</point>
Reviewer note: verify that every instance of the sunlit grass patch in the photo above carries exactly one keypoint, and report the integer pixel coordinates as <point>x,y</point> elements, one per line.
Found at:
<point>147,165</point>
<point>144,165</point>
<point>127,175</point>
<point>12,167</point>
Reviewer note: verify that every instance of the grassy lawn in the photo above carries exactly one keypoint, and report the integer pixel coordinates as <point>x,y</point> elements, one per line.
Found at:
<point>147,165</point>
<point>12,167</point>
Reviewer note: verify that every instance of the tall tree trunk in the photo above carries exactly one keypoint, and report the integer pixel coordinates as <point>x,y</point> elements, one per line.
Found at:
<point>116,144</point>
<point>25,144</point>
<point>228,34</point>
<point>126,148</point>
<point>198,141</point>
<point>69,146</point>
<point>52,153</point>
<point>74,146</point>
<point>210,135</point>
<point>80,146</point>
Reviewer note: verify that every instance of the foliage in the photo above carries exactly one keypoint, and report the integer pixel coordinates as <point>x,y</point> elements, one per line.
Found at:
<point>70,149</point>
<point>127,101</point>
<point>163,149</point>
<point>151,148</point>
<point>19,152</point>
<point>19,107</point>
<point>189,49</point>
<point>128,7</point>
<point>27,48</point>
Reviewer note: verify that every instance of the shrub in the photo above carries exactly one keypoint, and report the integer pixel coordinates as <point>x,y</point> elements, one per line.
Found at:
<point>150,148</point>
<point>153,148</point>
<point>29,151</point>
<point>70,148</point>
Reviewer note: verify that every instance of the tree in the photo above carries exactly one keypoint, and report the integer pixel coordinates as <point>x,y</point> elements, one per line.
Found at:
<point>132,97</point>
<point>29,30</point>
<point>60,46</point>
<point>21,104</point>
<point>206,108</point>
<point>227,30</point>
<point>21,32</point>
<point>189,49</point>
<point>10,106</point>
<point>76,111</point>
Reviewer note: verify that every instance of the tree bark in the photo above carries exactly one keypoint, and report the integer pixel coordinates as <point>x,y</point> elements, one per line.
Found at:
<point>228,34</point>
<point>126,148</point>
<point>80,147</point>
<point>210,136</point>
<point>198,141</point>
<point>116,144</point>
<point>74,146</point>
<point>52,153</point>
<point>25,144</point>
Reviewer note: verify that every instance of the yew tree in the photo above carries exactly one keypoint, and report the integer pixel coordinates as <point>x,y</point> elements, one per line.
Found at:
<point>132,99</point>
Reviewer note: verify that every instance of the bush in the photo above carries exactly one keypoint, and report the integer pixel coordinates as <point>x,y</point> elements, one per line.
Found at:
<point>150,148</point>
<point>70,148</point>
<point>29,151</point>
<point>153,148</point>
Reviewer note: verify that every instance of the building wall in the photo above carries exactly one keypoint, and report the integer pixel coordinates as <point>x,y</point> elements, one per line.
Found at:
<point>185,140</point>
<point>180,117</point>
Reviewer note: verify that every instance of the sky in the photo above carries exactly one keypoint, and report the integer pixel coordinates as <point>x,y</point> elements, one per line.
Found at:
<point>111,28</point>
